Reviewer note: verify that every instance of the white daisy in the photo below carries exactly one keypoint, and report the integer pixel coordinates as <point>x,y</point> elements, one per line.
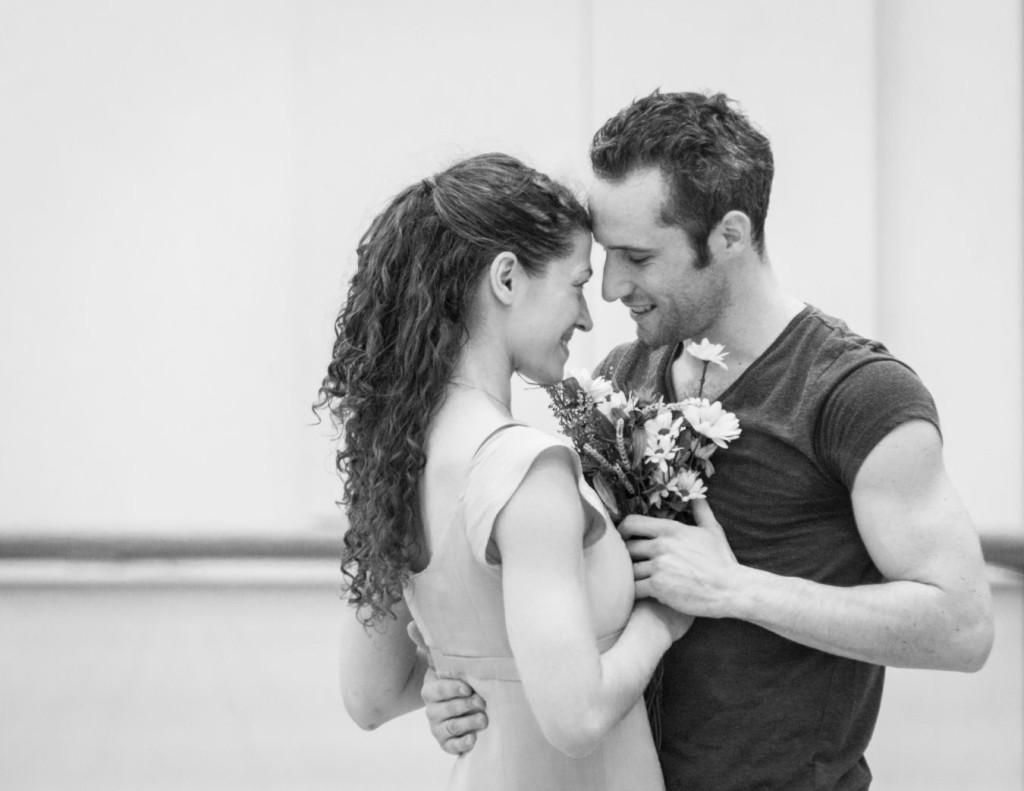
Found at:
<point>662,431</point>
<point>616,400</point>
<point>708,352</point>
<point>688,485</point>
<point>597,387</point>
<point>712,421</point>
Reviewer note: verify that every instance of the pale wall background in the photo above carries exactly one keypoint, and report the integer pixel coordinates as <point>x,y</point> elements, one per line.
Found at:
<point>182,186</point>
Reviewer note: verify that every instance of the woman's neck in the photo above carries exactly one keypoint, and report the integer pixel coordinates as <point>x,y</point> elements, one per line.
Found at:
<point>483,371</point>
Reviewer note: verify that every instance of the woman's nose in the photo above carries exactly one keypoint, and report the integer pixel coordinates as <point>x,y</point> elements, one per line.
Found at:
<point>584,322</point>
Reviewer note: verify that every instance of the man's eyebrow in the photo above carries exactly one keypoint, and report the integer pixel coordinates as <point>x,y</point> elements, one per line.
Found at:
<point>627,248</point>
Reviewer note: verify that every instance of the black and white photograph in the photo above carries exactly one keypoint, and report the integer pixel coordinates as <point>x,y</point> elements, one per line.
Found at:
<point>489,396</point>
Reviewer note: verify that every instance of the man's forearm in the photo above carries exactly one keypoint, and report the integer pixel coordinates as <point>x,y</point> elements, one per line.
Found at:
<point>899,623</point>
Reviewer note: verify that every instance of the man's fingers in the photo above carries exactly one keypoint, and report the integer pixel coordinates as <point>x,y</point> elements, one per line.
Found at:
<point>442,689</point>
<point>421,645</point>
<point>640,549</point>
<point>458,735</point>
<point>416,635</point>
<point>644,590</point>
<point>703,515</point>
<point>642,570</point>
<point>636,526</point>
<point>459,746</point>
<point>460,726</point>
<point>456,708</point>
<point>706,520</point>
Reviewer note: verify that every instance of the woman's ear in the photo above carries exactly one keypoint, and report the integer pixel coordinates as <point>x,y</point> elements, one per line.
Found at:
<point>502,273</point>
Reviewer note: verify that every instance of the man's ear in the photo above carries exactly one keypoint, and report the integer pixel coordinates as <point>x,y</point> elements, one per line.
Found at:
<point>502,273</point>
<point>733,232</point>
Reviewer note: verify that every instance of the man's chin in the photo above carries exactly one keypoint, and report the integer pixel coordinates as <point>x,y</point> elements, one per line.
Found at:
<point>650,338</point>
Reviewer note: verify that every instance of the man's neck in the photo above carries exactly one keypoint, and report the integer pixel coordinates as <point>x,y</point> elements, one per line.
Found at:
<point>748,327</point>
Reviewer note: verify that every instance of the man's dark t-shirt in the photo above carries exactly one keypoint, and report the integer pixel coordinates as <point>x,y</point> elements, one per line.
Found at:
<point>743,708</point>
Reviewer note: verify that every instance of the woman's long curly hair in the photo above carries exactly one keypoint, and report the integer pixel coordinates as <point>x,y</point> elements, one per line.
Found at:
<point>399,335</point>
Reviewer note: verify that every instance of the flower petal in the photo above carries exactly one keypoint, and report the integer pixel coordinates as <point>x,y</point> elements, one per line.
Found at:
<point>708,352</point>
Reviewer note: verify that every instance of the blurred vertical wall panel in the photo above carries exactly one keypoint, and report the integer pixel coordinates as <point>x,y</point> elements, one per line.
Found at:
<point>950,237</point>
<point>183,187</point>
<point>147,202</point>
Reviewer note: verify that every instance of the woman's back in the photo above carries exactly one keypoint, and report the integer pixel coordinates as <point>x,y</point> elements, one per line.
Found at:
<point>477,459</point>
<point>465,279</point>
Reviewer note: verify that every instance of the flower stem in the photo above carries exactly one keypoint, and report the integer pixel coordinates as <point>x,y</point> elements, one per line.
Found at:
<point>703,374</point>
<point>607,466</point>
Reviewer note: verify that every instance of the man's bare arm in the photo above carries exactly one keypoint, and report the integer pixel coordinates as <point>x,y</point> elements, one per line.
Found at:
<point>933,609</point>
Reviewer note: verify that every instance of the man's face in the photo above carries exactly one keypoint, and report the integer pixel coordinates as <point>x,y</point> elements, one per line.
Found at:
<point>649,266</point>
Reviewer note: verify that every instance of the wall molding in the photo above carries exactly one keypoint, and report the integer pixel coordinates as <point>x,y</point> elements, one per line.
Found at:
<point>1004,549</point>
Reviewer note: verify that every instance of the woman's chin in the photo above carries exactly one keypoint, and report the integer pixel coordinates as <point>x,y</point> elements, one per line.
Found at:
<point>554,377</point>
<point>546,378</point>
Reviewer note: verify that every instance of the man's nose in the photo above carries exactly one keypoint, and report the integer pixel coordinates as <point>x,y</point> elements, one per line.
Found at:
<point>614,282</point>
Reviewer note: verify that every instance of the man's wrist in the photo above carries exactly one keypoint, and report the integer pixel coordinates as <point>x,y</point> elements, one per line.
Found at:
<point>745,594</point>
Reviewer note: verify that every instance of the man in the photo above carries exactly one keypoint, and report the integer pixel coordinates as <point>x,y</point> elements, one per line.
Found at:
<point>832,542</point>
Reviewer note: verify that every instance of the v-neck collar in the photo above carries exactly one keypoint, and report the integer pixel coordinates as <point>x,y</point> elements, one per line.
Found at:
<point>666,372</point>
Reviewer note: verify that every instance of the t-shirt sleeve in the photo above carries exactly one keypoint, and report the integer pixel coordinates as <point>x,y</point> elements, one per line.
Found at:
<point>495,474</point>
<point>867,404</point>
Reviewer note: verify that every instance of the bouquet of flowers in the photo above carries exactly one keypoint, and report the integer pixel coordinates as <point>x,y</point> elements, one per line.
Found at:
<point>642,455</point>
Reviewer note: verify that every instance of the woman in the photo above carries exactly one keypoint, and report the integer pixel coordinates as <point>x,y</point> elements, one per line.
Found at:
<point>478,526</point>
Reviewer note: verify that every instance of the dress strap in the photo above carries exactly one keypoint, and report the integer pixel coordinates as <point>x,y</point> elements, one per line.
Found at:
<point>493,434</point>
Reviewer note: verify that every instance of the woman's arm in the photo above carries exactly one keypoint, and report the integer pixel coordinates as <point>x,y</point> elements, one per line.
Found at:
<point>381,670</point>
<point>577,693</point>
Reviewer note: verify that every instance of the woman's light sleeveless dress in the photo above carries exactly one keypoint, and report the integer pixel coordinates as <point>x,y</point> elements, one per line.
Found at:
<point>457,604</point>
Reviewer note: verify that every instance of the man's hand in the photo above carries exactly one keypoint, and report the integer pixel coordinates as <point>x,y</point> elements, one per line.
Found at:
<point>690,568</point>
<point>454,710</point>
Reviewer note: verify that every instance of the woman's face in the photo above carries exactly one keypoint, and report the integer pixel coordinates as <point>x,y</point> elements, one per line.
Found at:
<point>549,310</point>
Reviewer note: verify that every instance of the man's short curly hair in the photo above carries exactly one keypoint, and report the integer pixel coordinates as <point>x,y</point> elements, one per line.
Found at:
<point>709,153</point>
